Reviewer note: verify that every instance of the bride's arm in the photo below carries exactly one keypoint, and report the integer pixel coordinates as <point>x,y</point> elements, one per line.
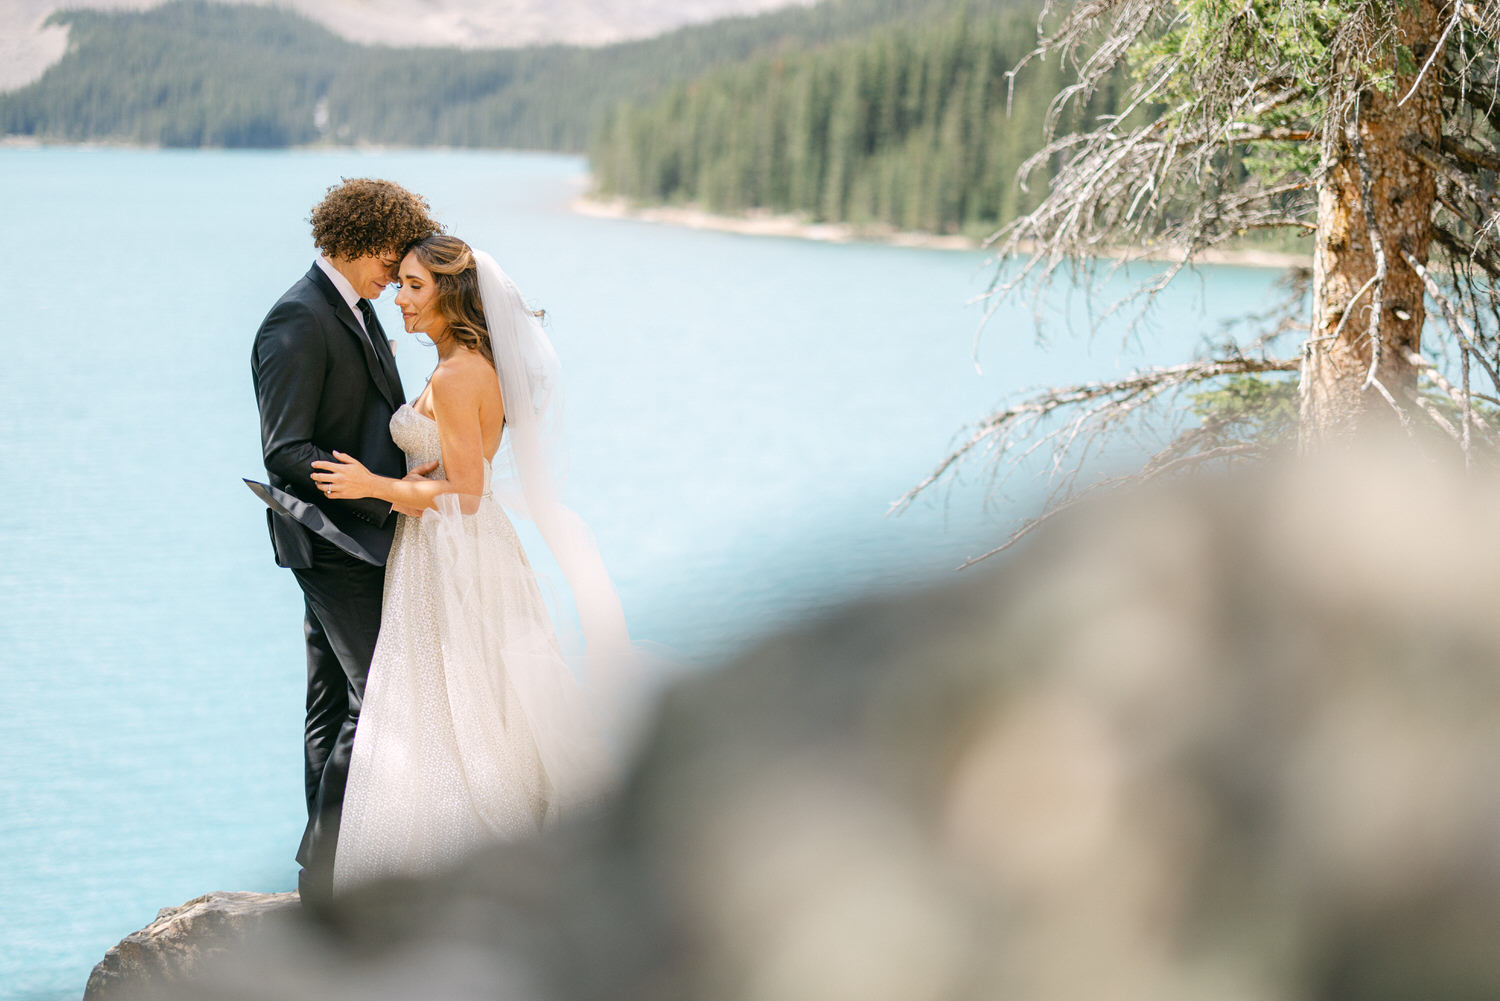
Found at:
<point>457,394</point>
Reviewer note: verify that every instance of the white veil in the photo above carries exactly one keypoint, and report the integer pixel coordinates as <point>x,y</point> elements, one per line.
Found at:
<point>526,474</point>
<point>578,726</point>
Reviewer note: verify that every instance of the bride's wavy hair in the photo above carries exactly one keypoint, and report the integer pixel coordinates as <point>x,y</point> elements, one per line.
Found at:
<point>451,262</point>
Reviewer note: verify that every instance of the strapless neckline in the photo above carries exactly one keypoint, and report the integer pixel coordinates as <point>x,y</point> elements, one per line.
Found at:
<point>408,406</point>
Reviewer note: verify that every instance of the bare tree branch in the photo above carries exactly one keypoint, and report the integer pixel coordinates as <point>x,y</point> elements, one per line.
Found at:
<point>1465,333</point>
<point>1151,472</point>
<point>1437,50</point>
<point>1377,247</point>
<point>1444,167</point>
<point>1118,396</point>
<point>1482,159</point>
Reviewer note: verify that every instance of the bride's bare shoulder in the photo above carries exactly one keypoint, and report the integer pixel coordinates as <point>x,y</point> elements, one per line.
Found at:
<point>463,375</point>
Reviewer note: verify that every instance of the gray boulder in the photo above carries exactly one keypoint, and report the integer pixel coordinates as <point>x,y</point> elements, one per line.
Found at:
<point>181,940</point>
<point>1232,740</point>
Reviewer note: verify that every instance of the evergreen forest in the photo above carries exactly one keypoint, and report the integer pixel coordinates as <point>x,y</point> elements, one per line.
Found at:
<point>893,112</point>
<point>913,125</point>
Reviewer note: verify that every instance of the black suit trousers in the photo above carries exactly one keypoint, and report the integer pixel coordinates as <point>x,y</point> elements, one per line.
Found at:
<point>342,597</point>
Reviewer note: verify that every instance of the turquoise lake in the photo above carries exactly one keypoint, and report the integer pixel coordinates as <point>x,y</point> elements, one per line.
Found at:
<point>742,411</point>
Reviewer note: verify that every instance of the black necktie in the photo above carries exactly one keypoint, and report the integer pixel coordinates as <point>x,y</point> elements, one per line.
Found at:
<point>376,336</point>
<point>368,312</point>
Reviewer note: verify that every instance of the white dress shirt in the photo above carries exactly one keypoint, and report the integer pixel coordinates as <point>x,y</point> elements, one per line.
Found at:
<point>345,289</point>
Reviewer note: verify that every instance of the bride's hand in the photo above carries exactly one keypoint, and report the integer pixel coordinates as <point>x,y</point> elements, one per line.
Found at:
<point>417,473</point>
<point>346,479</point>
<point>421,472</point>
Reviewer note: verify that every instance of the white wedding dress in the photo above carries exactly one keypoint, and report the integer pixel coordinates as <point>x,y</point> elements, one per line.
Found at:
<point>472,727</point>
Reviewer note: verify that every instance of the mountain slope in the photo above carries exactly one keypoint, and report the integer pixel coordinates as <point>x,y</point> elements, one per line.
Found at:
<point>26,50</point>
<point>196,73</point>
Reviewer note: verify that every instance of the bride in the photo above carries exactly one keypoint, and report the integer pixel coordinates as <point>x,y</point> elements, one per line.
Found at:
<point>472,728</point>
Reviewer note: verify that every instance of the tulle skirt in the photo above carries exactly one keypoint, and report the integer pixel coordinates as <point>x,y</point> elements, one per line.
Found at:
<point>472,728</point>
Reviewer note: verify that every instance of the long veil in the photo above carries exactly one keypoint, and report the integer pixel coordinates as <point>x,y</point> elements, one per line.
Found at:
<point>578,724</point>
<point>527,474</point>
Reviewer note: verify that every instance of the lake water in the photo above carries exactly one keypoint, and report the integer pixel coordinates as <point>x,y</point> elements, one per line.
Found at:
<point>742,412</point>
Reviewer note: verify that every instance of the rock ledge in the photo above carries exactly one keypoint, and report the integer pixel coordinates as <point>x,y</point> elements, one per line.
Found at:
<point>175,945</point>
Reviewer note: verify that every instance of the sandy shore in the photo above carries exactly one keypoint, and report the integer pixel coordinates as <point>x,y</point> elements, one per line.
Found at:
<point>14,141</point>
<point>764,223</point>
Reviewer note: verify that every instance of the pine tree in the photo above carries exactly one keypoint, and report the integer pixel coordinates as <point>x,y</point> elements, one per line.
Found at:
<point>1367,125</point>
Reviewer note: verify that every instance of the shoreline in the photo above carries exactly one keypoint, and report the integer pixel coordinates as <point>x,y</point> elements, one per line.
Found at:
<point>756,222</point>
<point>761,222</point>
<point>13,140</point>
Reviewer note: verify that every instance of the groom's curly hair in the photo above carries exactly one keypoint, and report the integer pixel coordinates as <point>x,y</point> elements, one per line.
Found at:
<point>367,216</point>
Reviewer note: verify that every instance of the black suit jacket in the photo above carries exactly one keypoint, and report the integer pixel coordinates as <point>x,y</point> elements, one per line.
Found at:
<point>323,385</point>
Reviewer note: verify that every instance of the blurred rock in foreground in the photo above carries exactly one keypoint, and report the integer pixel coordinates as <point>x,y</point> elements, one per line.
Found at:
<point>181,939</point>
<point>1236,740</point>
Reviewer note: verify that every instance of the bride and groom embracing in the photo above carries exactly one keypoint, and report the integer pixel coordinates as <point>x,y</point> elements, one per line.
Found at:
<point>440,711</point>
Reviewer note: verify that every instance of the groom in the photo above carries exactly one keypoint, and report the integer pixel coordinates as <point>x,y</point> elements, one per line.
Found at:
<point>325,379</point>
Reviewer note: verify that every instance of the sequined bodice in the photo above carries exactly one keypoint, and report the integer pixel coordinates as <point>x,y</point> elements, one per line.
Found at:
<point>417,435</point>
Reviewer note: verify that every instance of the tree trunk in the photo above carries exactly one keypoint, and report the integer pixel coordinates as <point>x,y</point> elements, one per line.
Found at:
<point>1338,397</point>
